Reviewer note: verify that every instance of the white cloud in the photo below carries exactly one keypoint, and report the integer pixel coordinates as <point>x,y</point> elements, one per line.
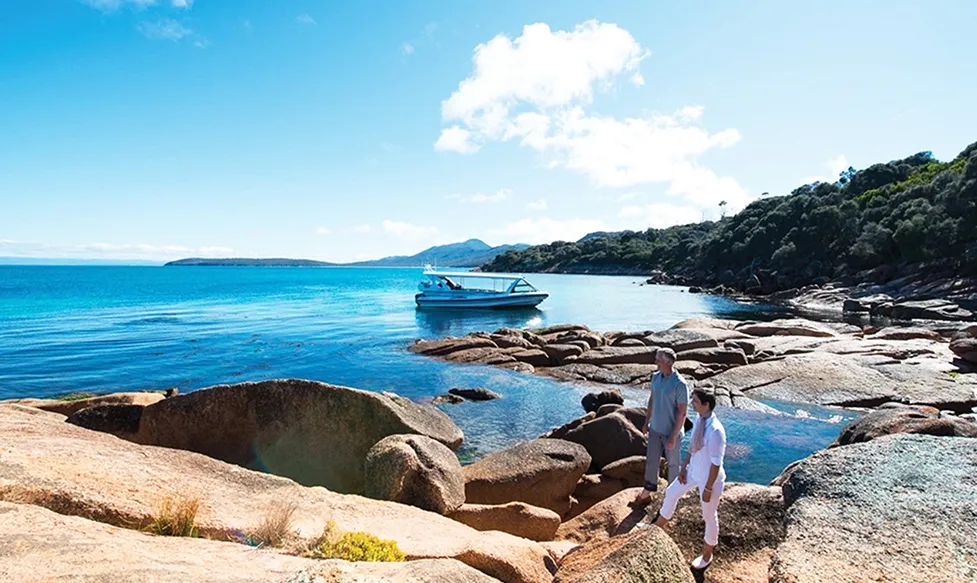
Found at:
<point>407,230</point>
<point>497,196</point>
<point>547,230</point>
<point>535,90</point>
<point>456,139</point>
<point>185,4</point>
<point>164,29</point>
<point>537,205</point>
<point>322,231</point>
<point>113,5</point>
<point>660,215</point>
<point>305,19</point>
<point>102,250</point>
<point>362,229</point>
<point>835,167</point>
<point>407,49</point>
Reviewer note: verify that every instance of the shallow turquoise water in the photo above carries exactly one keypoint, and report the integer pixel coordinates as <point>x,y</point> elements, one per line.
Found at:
<point>106,329</point>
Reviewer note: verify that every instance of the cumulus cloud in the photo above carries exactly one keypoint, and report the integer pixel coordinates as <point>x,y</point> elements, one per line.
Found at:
<point>659,215</point>
<point>537,205</point>
<point>456,139</point>
<point>322,231</point>
<point>164,29</point>
<point>482,198</point>
<point>362,229</point>
<point>185,4</point>
<point>407,49</point>
<point>405,230</point>
<point>305,19</point>
<point>835,167</point>
<point>547,230</point>
<point>536,90</point>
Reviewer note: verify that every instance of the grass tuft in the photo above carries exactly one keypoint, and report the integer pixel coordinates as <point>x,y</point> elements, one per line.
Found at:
<point>175,516</point>
<point>275,528</point>
<point>354,546</point>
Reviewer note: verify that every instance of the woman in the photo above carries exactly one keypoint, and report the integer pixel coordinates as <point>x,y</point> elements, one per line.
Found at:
<point>702,469</point>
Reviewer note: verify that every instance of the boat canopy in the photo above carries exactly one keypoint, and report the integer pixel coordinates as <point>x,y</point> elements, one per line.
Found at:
<point>500,282</point>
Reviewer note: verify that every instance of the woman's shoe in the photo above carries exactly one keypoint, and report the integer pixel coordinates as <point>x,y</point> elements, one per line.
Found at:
<point>700,564</point>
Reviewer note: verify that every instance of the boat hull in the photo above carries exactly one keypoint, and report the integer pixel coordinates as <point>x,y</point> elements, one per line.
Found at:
<point>526,300</point>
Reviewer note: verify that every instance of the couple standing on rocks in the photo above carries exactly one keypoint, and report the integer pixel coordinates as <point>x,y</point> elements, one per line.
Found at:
<point>702,468</point>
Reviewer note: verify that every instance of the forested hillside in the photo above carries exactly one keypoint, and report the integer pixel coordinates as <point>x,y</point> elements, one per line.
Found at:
<point>917,210</point>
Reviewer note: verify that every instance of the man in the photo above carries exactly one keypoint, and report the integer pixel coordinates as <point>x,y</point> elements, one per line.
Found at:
<point>664,423</point>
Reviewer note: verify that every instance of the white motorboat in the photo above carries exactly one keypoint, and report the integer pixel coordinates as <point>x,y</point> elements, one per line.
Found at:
<point>464,289</point>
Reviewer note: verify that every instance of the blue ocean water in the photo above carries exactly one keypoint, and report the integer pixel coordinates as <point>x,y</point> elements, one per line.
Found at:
<point>105,329</point>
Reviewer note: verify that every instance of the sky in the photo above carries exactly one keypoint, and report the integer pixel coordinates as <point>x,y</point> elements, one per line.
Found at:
<point>350,130</point>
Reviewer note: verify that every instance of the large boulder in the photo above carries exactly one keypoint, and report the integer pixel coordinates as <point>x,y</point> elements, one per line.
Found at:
<point>681,339</point>
<point>630,470</point>
<point>722,355</point>
<point>314,433</point>
<point>609,438</point>
<point>899,508</point>
<point>930,310</point>
<point>617,355</point>
<point>750,525</point>
<point>485,355</point>
<point>533,356</point>
<point>515,518</point>
<point>415,470</point>
<point>594,401</point>
<point>72,406</point>
<point>559,353</point>
<point>905,419</point>
<point>965,348</point>
<point>645,555</point>
<point>907,333</point>
<point>119,420</point>
<point>542,472</point>
<point>823,378</point>
<point>476,394</point>
<point>40,545</point>
<point>788,327</point>
<point>445,346</point>
<point>74,471</point>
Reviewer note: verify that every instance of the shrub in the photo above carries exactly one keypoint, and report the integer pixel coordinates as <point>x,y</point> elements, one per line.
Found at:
<point>275,527</point>
<point>175,516</point>
<point>355,546</point>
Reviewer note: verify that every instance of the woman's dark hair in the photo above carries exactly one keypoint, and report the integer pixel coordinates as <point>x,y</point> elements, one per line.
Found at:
<point>706,397</point>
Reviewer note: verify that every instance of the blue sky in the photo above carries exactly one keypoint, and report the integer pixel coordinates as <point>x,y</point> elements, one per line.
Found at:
<point>347,130</point>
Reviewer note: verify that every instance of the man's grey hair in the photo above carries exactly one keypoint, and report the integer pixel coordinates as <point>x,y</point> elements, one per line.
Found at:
<point>667,353</point>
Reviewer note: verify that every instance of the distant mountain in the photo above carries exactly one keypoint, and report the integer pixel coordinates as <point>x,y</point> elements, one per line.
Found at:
<point>245,262</point>
<point>470,253</point>
<point>466,254</point>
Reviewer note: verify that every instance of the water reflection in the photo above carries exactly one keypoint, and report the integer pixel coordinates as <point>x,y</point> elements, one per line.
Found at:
<point>458,322</point>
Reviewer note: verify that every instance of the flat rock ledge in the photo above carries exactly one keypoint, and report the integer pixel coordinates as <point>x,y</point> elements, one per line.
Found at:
<point>797,360</point>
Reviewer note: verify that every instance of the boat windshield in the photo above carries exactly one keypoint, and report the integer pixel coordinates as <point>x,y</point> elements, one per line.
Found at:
<point>523,286</point>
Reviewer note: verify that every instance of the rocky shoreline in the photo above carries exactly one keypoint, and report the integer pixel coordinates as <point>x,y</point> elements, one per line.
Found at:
<point>82,481</point>
<point>796,360</point>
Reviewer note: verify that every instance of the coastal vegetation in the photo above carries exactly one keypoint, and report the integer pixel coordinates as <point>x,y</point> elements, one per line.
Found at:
<point>917,210</point>
<point>276,526</point>
<point>176,516</point>
<point>355,546</point>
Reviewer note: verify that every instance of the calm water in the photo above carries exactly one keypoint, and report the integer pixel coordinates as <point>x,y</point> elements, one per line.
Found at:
<point>104,329</point>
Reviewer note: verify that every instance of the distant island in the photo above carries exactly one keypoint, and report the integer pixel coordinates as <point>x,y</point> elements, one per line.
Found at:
<point>470,253</point>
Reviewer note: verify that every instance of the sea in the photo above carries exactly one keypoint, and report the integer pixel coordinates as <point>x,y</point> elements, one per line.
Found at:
<point>105,329</point>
